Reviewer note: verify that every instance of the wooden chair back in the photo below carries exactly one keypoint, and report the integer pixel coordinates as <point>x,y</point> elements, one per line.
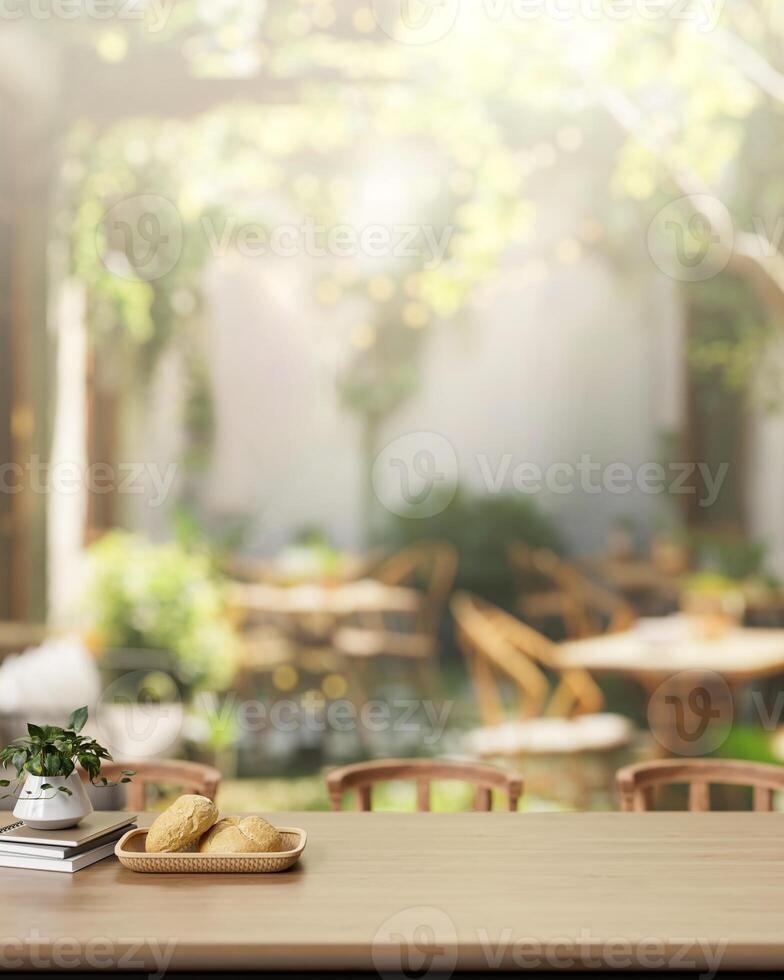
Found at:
<point>364,775</point>
<point>496,643</point>
<point>636,784</point>
<point>430,566</point>
<point>190,777</point>
<point>586,609</point>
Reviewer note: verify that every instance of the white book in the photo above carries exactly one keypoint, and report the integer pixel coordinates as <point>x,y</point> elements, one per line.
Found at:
<point>69,865</point>
<point>58,853</point>
<point>94,826</point>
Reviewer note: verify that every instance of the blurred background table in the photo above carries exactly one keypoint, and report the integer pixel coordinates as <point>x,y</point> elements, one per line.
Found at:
<point>653,653</point>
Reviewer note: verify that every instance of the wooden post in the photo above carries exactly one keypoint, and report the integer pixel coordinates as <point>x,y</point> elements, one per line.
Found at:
<point>25,186</point>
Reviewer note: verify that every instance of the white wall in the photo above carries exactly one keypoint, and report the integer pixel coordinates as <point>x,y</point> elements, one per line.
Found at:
<point>575,364</point>
<point>285,449</point>
<point>585,361</point>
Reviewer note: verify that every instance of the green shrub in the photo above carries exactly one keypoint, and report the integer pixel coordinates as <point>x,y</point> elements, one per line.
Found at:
<point>145,596</point>
<point>482,528</point>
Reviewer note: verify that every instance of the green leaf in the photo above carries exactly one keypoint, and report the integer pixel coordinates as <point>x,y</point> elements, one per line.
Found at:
<point>77,720</point>
<point>53,764</point>
<point>35,732</point>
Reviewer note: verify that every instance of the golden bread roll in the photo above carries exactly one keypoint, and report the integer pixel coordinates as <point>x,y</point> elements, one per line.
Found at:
<point>180,827</point>
<point>241,835</point>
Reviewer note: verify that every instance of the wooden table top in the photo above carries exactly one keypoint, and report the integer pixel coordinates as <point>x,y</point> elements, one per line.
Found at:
<point>739,655</point>
<point>468,890</point>
<point>346,599</point>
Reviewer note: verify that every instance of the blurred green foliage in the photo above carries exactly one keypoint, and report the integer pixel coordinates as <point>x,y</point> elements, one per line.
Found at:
<point>474,132</point>
<point>481,528</point>
<point>145,596</point>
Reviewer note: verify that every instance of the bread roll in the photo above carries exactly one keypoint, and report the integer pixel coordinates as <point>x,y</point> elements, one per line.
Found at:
<point>246,835</point>
<point>180,827</point>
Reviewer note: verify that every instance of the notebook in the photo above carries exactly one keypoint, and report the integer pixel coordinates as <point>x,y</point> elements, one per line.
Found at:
<point>96,825</point>
<point>69,865</point>
<point>50,851</point>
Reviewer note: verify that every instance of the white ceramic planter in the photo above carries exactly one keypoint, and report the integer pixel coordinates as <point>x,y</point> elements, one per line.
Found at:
<point>49,809</point>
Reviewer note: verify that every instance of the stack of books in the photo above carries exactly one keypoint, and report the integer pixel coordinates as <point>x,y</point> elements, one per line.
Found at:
<point>62,850</point>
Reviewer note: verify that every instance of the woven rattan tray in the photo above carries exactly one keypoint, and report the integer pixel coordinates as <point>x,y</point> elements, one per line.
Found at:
<point>130,851</point>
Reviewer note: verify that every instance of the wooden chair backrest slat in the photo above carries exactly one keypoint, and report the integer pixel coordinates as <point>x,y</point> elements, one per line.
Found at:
<point>190,777</point>
<point>636,784</point>
<point>364,775</point>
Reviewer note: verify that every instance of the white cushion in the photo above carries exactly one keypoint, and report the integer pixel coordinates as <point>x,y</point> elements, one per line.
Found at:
<point>552,736</point>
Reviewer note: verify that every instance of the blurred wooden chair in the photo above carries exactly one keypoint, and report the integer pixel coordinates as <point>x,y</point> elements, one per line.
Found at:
<point>637,784</point>
<point>364,775</point>
<point>188,777</point>
<point>563,717</point>
<point>550,587</point>
<point>428,567</point>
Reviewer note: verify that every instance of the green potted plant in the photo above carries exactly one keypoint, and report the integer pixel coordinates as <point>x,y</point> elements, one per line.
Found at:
<point>52,795</point>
